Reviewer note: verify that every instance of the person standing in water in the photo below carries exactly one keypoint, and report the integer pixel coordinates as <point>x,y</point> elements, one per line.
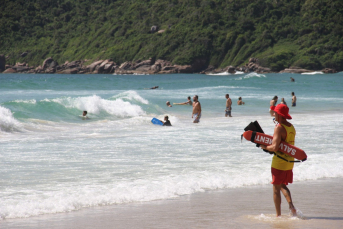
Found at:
<point>281,169</point>
<point>240,102</point>
<point>189,102</point>
<point>272,105</point>
<point>283,101</point>
<point>168,104</point>
<point>228,106</point>
<point>196,114</point>
<point>294,100</point>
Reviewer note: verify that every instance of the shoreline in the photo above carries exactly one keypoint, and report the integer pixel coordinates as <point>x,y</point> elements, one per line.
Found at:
<point>243,207</point>
<point>144,67</point>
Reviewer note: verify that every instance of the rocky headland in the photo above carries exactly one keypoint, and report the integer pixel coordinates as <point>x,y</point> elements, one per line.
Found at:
<point>150,66</point>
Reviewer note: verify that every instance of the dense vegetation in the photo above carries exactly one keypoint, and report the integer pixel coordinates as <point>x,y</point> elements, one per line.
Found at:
<point>281,33</point>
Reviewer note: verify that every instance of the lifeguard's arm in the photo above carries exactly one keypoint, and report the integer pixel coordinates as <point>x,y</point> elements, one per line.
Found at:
<point>276,140</point>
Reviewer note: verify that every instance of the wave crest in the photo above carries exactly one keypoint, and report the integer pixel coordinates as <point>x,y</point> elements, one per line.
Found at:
<point>251,75</point>
<point>7,122</point>
<point>95,104</point>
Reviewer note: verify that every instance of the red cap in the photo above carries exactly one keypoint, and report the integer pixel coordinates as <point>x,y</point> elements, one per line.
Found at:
<point>282,110</point>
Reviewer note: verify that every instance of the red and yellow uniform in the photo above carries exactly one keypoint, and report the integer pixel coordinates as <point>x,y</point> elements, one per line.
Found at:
<point>281,169</point>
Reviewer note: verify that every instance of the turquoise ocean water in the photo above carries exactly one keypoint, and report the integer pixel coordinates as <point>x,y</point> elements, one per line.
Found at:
<point>51,160</point>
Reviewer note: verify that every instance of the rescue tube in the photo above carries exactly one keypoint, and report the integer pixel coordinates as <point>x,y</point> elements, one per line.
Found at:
<point>264,139</point>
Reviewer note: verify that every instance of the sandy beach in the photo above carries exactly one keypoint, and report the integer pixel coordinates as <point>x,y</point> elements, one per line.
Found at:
<point>319,201</point>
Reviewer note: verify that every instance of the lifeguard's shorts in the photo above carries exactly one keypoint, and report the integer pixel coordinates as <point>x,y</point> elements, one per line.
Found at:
<point>282,176</point>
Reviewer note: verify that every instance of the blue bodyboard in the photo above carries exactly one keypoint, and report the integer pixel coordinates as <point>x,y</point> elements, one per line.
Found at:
<point>156,122</point>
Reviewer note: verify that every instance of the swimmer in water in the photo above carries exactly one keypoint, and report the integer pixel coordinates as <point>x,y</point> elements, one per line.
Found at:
<point>240,102</point>
<point>272,105</point>
<point>189,102</point>
<point>166,121</point>
<point>84,115</point>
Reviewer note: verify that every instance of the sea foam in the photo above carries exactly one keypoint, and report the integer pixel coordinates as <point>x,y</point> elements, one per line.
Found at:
<point>95,104</point>
<point>7,122</point>
<point>251,75</point>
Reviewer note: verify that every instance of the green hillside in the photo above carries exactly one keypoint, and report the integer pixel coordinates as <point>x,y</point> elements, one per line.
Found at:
<point>281,33</point>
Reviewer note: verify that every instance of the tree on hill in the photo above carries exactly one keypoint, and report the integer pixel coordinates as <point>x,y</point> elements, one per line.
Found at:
<point>303,33</point>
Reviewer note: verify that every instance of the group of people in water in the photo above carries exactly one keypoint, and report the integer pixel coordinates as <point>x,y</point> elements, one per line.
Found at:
<point>275,99</point>
<point>196,113</point>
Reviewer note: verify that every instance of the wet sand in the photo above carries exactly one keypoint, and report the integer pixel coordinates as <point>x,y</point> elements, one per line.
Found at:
<point>249,207</point>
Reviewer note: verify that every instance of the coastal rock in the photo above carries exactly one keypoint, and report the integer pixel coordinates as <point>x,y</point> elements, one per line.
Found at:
<point>295,70</point>
<point>254,66</point>
<point>21,68</point>
<point>2,63</point>
<point>10,70</point>
<point>168,71</point>
<point>70,71</point>
<point>93,65</point>
<point>105,67</point>
<point>108,67</point>
<point>253,60</point>
<point>230,69</point>
<point>47,62</point>
<point>31,71</point>
<point>128,65</point>
<point>209,69</point>
<point>99,69</point>
<point>49,66</point>
<point>183,68</point>
<point>144,68</point>
<point>148,62</point>
<point>156,67</point>
<point>39,69</point>
<point>105,62</point>
<point>72,64</point>
<point>20,64</point>
<point>50,70</point>
<point>329,70</point>
<point>113,69</point>
<point>168,68</point>
<point>263,70</point>
<point>163,63</point>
